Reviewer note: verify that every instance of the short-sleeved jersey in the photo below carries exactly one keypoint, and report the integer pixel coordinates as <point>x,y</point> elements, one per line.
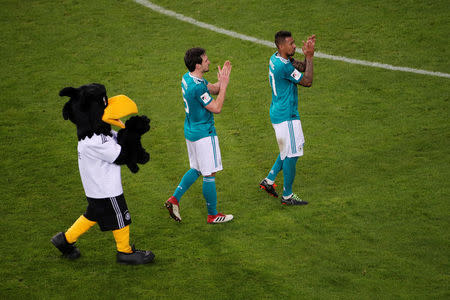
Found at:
<point>283,78</point>
<point>101,178</point>
<point>199,121</point>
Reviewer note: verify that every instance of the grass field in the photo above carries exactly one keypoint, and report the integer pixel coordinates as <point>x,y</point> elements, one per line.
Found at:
<point>374,171</point>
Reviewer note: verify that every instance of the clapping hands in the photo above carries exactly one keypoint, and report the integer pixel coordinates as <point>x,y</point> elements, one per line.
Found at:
<point>308,46</point>
<point>223,74</point>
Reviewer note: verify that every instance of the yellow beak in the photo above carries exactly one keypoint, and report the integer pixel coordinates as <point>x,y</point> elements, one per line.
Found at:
<point>118,107</point>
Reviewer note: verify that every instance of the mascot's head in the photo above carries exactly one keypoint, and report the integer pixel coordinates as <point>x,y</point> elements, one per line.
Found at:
<point>92,112</point>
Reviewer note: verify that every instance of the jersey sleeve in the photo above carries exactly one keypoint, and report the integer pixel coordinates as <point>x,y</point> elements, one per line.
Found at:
<point>292,74</point>
<point>203,95</point>
<point>108,150</point>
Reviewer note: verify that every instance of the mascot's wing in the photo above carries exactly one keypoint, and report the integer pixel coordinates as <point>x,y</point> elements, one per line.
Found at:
<point>68,91</point>
<point>118,107</point>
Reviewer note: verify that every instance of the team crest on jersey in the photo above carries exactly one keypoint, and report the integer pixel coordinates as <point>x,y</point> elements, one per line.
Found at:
<point>205,97</point>
<point>296,74</point>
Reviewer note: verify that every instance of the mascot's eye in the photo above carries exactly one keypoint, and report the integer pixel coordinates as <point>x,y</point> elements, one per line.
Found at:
<point>104,100</point>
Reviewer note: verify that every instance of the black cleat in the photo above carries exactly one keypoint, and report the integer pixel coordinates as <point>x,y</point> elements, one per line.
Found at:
<point>69,251</point>
<point>269,188</point>
<point>138,257</point>
<point>293,200</point>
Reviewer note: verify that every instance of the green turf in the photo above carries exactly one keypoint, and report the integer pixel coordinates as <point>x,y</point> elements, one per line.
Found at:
<point>376,156</point>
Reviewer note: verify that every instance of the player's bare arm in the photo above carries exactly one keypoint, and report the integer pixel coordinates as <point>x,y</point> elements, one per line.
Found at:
<point>308,51</point>
<point>214,88</point>
<point>298,64</point>
<point>215,106</point>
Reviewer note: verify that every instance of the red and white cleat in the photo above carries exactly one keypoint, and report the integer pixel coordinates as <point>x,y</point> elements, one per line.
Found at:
<point>219,218</point>
<point>174,208</point>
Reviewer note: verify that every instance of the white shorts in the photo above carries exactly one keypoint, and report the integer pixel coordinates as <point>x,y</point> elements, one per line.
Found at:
<point>204,155</point>
<point>290,138</point>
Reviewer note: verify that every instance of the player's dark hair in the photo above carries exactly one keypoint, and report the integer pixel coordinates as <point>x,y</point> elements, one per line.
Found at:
<point>192,57</point>
<point>280,36</point>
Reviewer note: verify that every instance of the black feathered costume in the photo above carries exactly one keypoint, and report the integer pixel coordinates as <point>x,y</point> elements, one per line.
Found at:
<point>101,151</point>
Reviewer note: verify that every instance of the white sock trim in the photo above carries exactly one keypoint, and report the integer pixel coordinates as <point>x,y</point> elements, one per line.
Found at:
<point>271,182</point>
<point>287,197</point>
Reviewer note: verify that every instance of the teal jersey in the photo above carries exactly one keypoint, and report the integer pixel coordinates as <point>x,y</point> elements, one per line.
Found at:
<point>199,121</point>
<point>283,78</point>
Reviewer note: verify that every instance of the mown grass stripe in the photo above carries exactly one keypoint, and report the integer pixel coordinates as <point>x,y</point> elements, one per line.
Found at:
<point>244,37</point>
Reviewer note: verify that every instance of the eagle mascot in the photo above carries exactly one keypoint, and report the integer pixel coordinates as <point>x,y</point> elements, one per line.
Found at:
<point>101,151</point>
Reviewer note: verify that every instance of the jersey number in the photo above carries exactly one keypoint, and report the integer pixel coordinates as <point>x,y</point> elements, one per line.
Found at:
<point>186,106</point>
<point>272,78</point>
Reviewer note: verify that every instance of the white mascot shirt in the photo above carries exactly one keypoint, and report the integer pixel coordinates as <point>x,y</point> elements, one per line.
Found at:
<point>100,176</point>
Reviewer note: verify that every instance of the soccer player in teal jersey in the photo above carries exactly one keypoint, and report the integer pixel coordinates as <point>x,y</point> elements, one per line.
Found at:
<point>285,73</point>
<point>200,133</point>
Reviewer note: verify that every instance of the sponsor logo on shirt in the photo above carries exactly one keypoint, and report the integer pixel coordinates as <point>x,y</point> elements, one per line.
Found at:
<point>205,97</point>
<point>296,74</point>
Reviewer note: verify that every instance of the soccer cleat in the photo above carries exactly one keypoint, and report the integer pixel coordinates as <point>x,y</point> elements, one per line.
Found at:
<point>68,250</point>
<point>293,200</point>
<point>269,188</point>
<point>137,257</point>
<point>174,208</point>
<point>219,218</point>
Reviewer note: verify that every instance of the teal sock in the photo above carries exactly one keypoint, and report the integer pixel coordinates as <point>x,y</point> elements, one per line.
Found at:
<point>210,194</point>
<point>289,174</point>
<point>188,179</point>
<point>277,166</point>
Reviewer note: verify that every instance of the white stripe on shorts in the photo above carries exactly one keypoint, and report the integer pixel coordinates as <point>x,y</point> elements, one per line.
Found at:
<point>119,216</point>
